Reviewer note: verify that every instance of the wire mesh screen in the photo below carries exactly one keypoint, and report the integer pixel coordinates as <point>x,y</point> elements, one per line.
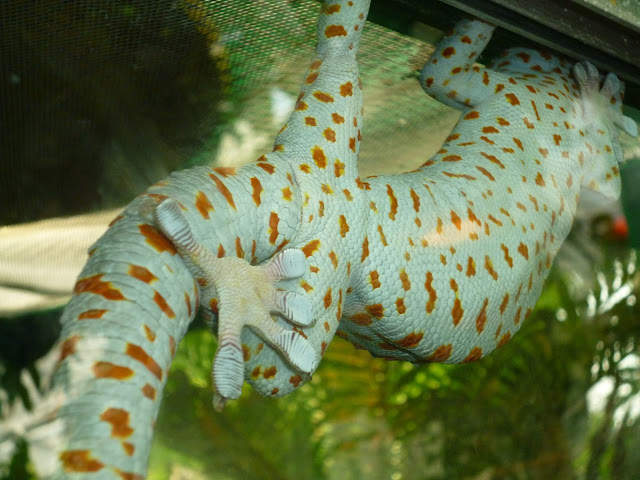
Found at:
<point>101,98</point>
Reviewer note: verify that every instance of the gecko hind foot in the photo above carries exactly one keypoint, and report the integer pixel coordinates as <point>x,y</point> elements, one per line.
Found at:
<point>247,296</point>
<point>597,101</point>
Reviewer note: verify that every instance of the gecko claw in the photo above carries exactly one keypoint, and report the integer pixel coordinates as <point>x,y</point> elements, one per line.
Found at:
<point>247,297</point>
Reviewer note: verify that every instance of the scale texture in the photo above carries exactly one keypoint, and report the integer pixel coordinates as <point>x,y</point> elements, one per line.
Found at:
<point>440,264</point>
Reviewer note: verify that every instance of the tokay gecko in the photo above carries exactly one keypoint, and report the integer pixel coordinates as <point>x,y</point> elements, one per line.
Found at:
<point>440,264</point>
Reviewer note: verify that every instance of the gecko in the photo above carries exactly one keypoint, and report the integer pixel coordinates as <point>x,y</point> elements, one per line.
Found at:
<point>440,264</point>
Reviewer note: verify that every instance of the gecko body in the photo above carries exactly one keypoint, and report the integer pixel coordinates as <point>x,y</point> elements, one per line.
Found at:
<point>440,264</point>
<point>455,254</point>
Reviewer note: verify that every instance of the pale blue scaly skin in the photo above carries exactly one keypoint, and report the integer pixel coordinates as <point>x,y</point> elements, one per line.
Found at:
<point>455,253</point>
<point>439,264</point>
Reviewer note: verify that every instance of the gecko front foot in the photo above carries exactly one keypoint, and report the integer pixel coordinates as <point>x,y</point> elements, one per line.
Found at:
<point>247,296</point>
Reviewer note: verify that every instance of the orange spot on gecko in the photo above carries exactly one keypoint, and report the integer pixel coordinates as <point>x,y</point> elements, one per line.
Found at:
<point>393,201</point>
<point>448,52</point>
<point>474,355</point>
<point>363,319</point>
<point>295,380</point>
<point>486,173</point>
<point>225,171</point>
<point>383,238</point>
<point>222,188</point>
<point>150,334</point>
<point>512,99</point>
<point>68,347</point>
<point>257,191</point>
<point>400,308</point>
<point>455,219</point>
<point>156,239</point>
<point>310,121</point>
<point>270,372</point>
<point>457,311</point>
<point>493,159</point>
<point>459,175</point>
<point>95,313</point>
<point>323,97</point>
<point>488,265</point>
<point>148,391</point>
<point>344,226</point>
<point>472,115</point>
<point>442,354</point>
<point>346,89</point>
<point>163,305</point>
<point>330,9</point>
<point>335,31</point>
<point>111,370</point>
<point>95,285</point>
<point>376,310</point>
<point>523,250</point>
<point>310,248</point>
<point>273,228</point>
<point>129,449</point>
<point>338,168</point>
<point>404,278</point>
<point>481,319</point>
<point>203,204</point>
<point>337,119</point>
<point>141,273</point>
<point>334,259</point>
<point>329,134</point>
<point>505,338</point>
<point>138,353</point>
<point>79,461</point>
<point>327,298</point>
<point>365,249</point>
<point>267,167</point>
<point>119,420</point>
<point>319,157</point>
<point>471,267</point>
<point>505,302</point>
<point>507,257</point>
<point>373,279</point>
<point>410,341</point>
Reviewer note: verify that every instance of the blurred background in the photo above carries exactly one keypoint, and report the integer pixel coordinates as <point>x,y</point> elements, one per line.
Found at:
<point>100,98</point>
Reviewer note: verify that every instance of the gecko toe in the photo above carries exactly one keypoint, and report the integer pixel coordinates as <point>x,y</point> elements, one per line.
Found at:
<point>295,307</point>
<point>228,373</point>
<point>298,351</point>
<point>286,264</point>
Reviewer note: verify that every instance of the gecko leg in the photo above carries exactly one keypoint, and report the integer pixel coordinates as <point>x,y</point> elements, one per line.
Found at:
<point>247,295</point>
